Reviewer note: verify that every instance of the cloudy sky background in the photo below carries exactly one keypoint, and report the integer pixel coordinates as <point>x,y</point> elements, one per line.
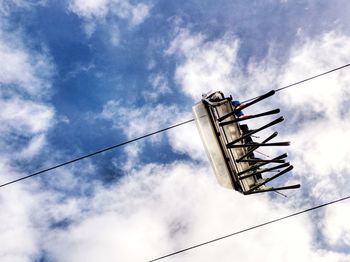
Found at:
<point>77,76</point>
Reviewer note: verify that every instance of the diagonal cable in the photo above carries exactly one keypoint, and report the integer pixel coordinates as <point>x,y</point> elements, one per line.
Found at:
<point>304,80</point>
<point>251,228</point>
<point>153,133</point>
<point>94,153</point>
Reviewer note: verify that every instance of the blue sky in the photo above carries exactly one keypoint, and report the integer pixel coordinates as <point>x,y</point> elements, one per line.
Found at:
<point>77,76</point>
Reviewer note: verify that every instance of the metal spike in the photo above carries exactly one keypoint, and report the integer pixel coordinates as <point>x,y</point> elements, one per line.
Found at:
<point>264,170</point>
<point>276,121</point>
<point>260,144</point>
<point>242,106</point>
<point>262,97</point>
<point>226,116</point>
<point>271,178</point>
<point>256,147</point>
<point>258,160</point>
<point>272,112</point>
<point>284,155</point>
<point>251,168</point>
<point>262,164</point>
<point>272,189</point>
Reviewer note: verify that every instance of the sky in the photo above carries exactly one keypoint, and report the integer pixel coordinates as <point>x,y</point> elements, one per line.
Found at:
<point>80,75</point>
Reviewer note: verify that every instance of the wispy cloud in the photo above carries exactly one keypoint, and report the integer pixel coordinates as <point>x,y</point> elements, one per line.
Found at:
<point>29,71</point>
<point>157,208</point>
<point>25,81</point>
<point>96,12</point>
<point>316,111</point>
<point>26,117</point>
<point>7,6</point>
<point>138,121</point>
<point>204,65</point>
<point>335,226</point>
<point>18,234</point>
<point>162,208</point>
<point>159,87</point>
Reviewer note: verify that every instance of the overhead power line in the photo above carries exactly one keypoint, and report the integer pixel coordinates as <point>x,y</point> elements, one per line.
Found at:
<point>150,134</point>
<point>304,80</point>
<point>95,153</point>
<point>250,228</point>
<point>313,77</point>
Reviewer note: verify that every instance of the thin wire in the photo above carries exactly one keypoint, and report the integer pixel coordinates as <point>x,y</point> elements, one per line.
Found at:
<point>150,134</point>
<point>251,228</point>
<point>278,219</point>
<point>302,81</point>
<point>95,153</point>
<point>277,192</point>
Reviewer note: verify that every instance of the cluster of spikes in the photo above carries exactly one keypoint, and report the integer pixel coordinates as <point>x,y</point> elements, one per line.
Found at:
<point>256,164</point>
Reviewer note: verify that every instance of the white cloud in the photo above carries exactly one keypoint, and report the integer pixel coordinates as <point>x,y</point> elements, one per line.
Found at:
<point>18,115</point>
<point>162,208</point>
<point>34,146</point>
<point>325,94</point>
<point>160,87</point>
<point>90,8</point>
<point>95,12</point>
<point>316,121</point>
<point>18,237</point>
<point>137,121</point>
<point>336,227</point>
<point>157,209</point>
<point>132,152</point>
<point>26,119</point>
<point>80,69</point>
<point>319,112</point>
<point>30,211</point>
<point>25,81</point>
<point>204,65</point>
<point>29,71</point>
<point>185,139</point>
<point>186,201</point>
<point>7,6</point>
<point>139,13</point>
<point>184,42</point>
<point>115,35</point>
<point>316,110</point>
